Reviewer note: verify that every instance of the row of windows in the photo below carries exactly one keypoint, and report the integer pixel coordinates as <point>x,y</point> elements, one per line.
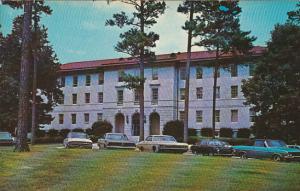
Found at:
<point>154,95</point>
<point>74,118</point>
<point>199,92</point>
<point>234,115</point>
<point>199,75</point>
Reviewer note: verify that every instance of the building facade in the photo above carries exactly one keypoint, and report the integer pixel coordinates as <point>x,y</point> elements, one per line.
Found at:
<point>94,90</point>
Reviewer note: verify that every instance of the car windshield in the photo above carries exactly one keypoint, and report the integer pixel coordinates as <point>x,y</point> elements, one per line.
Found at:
<point>276,143</point>
<point>5,136</point>
<point>164,138</point>
<point>77,135</point>
<point>116,137</point>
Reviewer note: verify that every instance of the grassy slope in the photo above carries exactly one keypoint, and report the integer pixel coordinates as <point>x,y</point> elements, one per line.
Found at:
<point>50,168</point>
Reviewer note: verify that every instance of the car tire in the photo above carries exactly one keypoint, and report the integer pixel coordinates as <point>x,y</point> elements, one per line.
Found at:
<point>66,146</point>
<point>243,155</point>
<point>277,158</point>
<point>155,149</point>
<point>142,149</point>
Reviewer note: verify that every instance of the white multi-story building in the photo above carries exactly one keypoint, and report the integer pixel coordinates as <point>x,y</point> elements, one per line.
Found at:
<point>93,90</point>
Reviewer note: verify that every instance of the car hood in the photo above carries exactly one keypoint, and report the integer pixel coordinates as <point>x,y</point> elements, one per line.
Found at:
<point>119,141</point>
<point>275,149</point>
<point>290,150</point>
<point>78,140</point>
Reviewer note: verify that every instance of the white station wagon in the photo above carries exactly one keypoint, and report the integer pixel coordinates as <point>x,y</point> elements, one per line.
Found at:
<point>77,139</point>
<point>162,143</point>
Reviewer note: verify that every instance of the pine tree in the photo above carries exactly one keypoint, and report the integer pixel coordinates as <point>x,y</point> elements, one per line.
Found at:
<point>218,30</point>
<point>137,42</point>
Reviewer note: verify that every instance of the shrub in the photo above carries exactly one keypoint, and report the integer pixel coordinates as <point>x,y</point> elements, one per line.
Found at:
<point>99,128</point>
<point>93,138</point>
<point>175,129</point>
<point>193,139</point>
<point>46,140</point>
<point>64,132</point>
<point>206,132</point>
<point>192,132</point>
<point>89,131</point>
<point>40,133</point>
<point>226,132</point>
<point>52,132</point>
<point>243,133</point>
<point>78,130</point>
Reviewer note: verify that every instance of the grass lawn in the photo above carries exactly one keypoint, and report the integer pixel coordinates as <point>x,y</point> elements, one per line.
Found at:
<point>48,167</point>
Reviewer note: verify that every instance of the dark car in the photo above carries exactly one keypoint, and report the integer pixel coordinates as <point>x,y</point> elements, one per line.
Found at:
<point>212,147</point>
<point>6,138</point>
<point>116,140</point>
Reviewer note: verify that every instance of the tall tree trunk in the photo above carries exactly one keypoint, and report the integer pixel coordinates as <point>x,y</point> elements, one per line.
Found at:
<point>216,68</point>
<point>141,92</point>
<point>187,79</point>
<point>21,143</point>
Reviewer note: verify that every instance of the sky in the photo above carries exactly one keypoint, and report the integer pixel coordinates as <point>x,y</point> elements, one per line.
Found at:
<point>77,29</point>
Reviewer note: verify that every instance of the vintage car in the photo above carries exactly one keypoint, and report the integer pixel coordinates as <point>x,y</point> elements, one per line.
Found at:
<point>115,140</point>
<point>162,143</point>
<point>6,139</point>
<point>77,139</point>
<point>212,147</point>
<point>267,148</point>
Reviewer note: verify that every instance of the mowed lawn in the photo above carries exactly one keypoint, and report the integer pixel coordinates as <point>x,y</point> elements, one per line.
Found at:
<point>48,167</point>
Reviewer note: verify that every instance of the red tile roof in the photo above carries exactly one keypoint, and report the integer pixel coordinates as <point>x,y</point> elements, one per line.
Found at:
<point>200,55</point>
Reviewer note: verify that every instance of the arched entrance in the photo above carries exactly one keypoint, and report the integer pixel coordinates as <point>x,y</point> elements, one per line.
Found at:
<point>154,123</point>
<point>119,123</point>
<point>135,124</point>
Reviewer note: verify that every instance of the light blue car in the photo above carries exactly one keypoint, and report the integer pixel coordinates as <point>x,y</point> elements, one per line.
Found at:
<point>267,148</point>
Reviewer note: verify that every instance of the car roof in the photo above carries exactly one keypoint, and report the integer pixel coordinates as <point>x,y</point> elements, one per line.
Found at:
<point>115,133</point>
<point>160,135</point>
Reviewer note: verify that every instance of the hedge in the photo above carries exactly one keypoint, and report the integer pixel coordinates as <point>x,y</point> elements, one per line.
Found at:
<point>206,132</point>
<point>226,132</point>
<point>243,133</point>
<point>175,129</point>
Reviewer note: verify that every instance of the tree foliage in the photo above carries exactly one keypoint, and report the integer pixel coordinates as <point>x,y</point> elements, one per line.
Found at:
<point>175,129</point>
<point>10,58</point>
<point>99,128</point>
<point>274,90</point>
<point>294,16</point>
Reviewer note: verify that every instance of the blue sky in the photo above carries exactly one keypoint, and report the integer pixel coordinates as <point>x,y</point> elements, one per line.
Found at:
<point>77,31</point>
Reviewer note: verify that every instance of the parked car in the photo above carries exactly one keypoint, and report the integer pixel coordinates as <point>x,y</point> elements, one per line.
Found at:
<point>116,140</point>
<point>274,149</point>
<point>294,146</point>
<point>77,139</point>
<point>6,139</point>
<point>161,143</point>
<point>212,147</point>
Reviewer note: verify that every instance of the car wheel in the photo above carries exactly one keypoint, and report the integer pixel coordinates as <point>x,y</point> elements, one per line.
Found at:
<point>276,158</point>
<point>66,146</point>
<point>243,155</point>
<point>142,149</point>
<point>155,149</point>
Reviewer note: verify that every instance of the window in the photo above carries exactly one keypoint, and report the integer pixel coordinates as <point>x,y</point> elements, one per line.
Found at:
<point>88,80</point>
<point>182,93</point>
<point>101,78</point>
<point>218,92</point>
<point>61,99</point>
<point>86,118</point>
<point>251,69</point>
<point>73,118</point>
<point>136,97</point>
<point>100,97</point>
<point>154,96</point>
<point>154,73</point>
<point>199,92</point>
<point>218,72</point>
<point>199,73</point>
<point>234,115</point>
<point>199,116</point>
<point>182,73</point>
<point>120,75</point>
<point>120,97</point>
<point>75,81</point>
<point>61,118</point>
<point>234,91</point>
<point>181,115</point>
<point>252,115</point>
<point>87,97</point>
<point>233,70</point>
<point>99,116</point>
<point>217,116</point>
<point>62,81</point>
<point>74,98</point>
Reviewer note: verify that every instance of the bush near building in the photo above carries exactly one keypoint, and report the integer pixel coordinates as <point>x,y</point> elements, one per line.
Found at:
<point>40,133</point>
<point>78,130</point>
<point>243,133</point>
<point>226,132</point>
<point>64,132</point>
<point>175,129</point>
<point>99,128</point>
<point>52,133</point>
<point>206,132</point>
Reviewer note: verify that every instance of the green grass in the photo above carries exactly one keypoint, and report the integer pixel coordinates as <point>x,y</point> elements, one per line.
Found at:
<point>48,167</point>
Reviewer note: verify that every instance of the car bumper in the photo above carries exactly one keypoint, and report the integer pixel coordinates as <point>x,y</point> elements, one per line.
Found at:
<point>79,145</point>
<point>179,150</point>
<point>6,143</point>
<point>120,147</point>
<point>292,158</point>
